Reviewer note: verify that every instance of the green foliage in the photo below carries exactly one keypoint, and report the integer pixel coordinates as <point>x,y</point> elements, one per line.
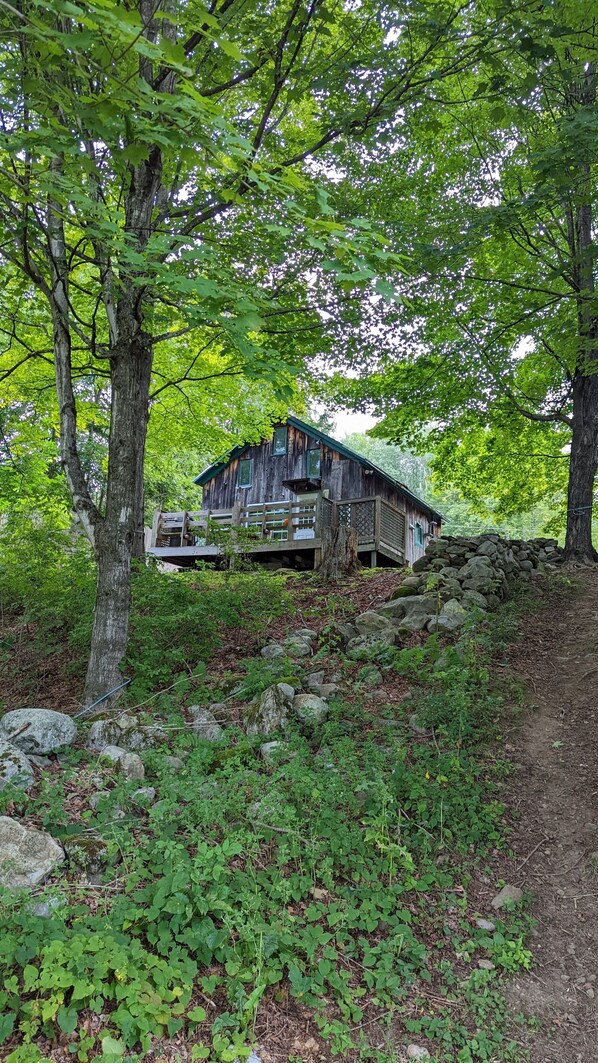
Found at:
<point>80,967</point>
<point>178,619</point>
<point>480,362</point>
<point>323,874</point>
<point>47,581</point>
<point>469,508</point>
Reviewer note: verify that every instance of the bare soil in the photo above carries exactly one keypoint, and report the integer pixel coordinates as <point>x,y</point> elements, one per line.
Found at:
<point>554,793</point>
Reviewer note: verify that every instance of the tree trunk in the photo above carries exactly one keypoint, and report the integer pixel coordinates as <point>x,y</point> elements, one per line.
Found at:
<point>111,618</point>
<point>582,469</point>
<point>117,540</point>
<point>339,553</point>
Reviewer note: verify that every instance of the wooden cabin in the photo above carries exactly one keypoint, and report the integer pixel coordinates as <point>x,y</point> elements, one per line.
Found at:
<point>273,501</point>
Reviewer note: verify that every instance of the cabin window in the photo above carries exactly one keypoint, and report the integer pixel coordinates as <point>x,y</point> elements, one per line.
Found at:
<point>245,473</point>
<point>418,535</point>
<point>280,441</point>
<point>313,463</point>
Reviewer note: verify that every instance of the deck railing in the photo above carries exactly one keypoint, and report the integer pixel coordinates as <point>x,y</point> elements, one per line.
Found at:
<point>266,521</point>
<point>378,524</point>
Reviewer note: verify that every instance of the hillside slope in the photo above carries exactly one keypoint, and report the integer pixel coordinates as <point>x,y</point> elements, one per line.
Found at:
<point>304,859</point>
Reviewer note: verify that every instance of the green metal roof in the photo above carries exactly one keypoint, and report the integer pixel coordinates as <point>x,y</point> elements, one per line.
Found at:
<point>219,466</point>
<point>315,433</point>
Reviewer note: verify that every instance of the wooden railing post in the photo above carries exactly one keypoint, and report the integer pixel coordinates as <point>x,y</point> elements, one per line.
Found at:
<point>377,513</point>
<point>155,527</point>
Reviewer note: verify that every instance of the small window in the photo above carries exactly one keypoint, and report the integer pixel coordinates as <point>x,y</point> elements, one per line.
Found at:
<point>280,441</point>
<point>418,535</point>
<point>313,463</point>
<point>245,473</point>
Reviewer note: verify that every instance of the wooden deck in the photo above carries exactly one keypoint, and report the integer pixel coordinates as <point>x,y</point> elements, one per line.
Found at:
<point>283,532</point>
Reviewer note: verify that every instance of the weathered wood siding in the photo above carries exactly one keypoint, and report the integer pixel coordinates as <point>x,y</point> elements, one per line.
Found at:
<point>269,471</point>
<point>342,477</point>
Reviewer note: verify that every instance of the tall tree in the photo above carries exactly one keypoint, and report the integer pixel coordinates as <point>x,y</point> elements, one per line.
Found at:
<point>156,178</point>
<point>493,358</point>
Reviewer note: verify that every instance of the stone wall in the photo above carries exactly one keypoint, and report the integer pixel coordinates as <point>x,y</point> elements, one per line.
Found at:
<point>459,575</point>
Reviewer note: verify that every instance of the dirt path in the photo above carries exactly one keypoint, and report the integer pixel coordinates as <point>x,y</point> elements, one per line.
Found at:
<point>555,793</point>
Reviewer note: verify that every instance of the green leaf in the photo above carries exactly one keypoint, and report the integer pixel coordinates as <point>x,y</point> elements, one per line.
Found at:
<point>229,47</point>
<point>197,1015</point>
<point>112,1048</point>
<point>7,1022</point>
<point>67,1019</point>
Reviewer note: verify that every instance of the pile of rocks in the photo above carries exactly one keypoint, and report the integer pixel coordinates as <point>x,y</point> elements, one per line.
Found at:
<point>27,736</point>
<point>123,733</point>
<point>458,575</point>
<point>296,645</point>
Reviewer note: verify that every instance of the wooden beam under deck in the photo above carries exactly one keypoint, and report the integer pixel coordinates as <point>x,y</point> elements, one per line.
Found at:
<point>177,554</point>
<point>277,547</point>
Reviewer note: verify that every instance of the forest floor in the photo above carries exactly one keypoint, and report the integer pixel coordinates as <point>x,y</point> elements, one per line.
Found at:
<point>554,794</point>
<point>530,691</point>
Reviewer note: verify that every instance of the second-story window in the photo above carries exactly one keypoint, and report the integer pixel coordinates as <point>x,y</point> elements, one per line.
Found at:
<point>245,473</point>
<point>279,445</point>
<point>313,463</point>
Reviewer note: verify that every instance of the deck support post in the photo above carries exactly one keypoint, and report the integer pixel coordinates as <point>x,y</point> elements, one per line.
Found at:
<point>373,558</point>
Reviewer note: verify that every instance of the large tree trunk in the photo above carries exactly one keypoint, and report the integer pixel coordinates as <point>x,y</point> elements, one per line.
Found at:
<point>339,553</point>
<point>117,540</point>
<point>584,440</point>
<point>582,469</point>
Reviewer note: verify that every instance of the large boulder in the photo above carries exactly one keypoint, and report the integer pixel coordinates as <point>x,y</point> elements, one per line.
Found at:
<point>271,712</point>
<point>474,600</point>
<point>131,766</point>
<point>369,647</point>
<point>27,856</point>
<point>328,690</point>
<point>451,617</point>
<point>417,619</point>
<point>398,607</point>
<point>370,623</point>
<point>14,767</point>
<point>87,851</point>
<point>271,651</point>
<point>296,646</point>
<point>410,585</point>
<point>343,633</point>
<point>124,731</point>
<point>488,548</point>
<point>309,708</point>
<point>314,681</point>
<point>306,633</point>
<point>477,568</point>
<point>38,731</point>
<point>205,724</point>
<point>410,614</point>
<point>112,753</point>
